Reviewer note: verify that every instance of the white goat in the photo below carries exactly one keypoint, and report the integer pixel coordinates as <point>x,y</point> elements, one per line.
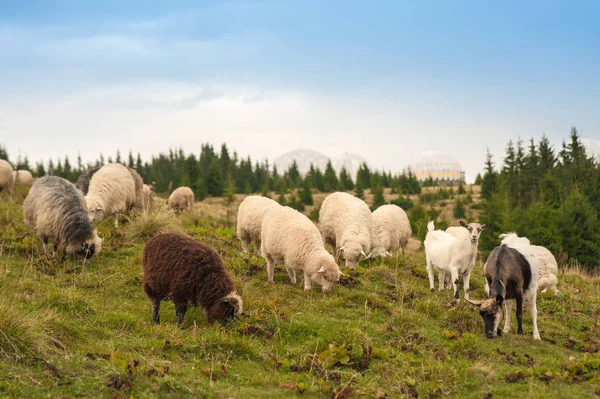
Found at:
<point>452,252</point>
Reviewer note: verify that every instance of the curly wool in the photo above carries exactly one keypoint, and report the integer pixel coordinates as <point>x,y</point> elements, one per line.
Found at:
<point>289,238</point>
<point>7,178</point>
<point>250,217</point>
<point>112,190</point>
<point>180,268</point>
<point>392,228</point>
<point>548,269</point>
<point>182,199</point>
<point>54,209</point>
<point>347,225</point>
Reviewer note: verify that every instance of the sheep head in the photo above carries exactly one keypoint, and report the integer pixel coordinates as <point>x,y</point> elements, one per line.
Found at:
<point>225,308</point>
<point>475,229</point>
<point>492,314</point>
<point>327,273</point>
<point>95,208</point>
<point>352,252</point>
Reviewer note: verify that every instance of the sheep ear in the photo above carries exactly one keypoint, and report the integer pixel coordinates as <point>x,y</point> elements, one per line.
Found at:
<point>463,224</point>
<point>341,249</point>
<point>321,270</point>
<point>363,253</point>
<point>99,208</point>
<point>388,254</point>
<point>369,256</point>
<point>486,225</point>
<point>342,274</point>
<point>475,303</point>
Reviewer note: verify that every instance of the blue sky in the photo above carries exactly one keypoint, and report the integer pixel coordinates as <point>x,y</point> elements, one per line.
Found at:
<point>384,80</point>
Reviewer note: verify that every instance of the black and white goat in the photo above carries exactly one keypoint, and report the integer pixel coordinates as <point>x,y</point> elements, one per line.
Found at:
<point>511,273</point>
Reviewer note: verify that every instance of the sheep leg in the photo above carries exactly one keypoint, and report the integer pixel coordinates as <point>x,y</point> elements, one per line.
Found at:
<point>466,284</point>
<point>536,333</point>
<point>430,274</point>
<point>454,274</point>
<point>116,220</point>
<point>180,309</point>
<point>507,312</point>
<point>46,246</point>
<point>245,244</point>
<point>519,300</point>
<point>156,310</point>
<point>292,274</point>
<point>307,282</point>
<point>442,280</point>
<point>270,267</point>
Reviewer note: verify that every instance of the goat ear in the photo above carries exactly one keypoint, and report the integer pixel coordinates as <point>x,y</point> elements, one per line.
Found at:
<point>486,225</point>
<point>463,224</point>
<point>475,303</point>
<point>499,299</point>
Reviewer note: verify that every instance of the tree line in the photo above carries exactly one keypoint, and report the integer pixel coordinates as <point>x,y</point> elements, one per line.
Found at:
<point>220,173</point>
<point>551,197</point>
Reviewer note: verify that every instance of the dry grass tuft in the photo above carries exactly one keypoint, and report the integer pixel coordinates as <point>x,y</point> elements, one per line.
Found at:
<point>148,222</point>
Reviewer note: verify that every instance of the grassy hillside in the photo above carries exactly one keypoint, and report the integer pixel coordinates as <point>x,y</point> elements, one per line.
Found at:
<point>68,330</point>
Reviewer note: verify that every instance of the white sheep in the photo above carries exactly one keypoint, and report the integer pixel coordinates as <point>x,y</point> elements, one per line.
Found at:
<point>548,269</point>
<point>147,196</point>
<point>452,252</point>
<point>347,225</point>
<point>7,178</point>
<point>23,178</point>
<point>112,191</point>
<point>392,230</point>
<point>55,210</point>
<point>182,199</point>
<point>288,237</point>
<point>250,217</point>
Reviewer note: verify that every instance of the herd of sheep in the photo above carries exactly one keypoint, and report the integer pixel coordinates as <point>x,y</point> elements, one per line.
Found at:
<point>179,268</point>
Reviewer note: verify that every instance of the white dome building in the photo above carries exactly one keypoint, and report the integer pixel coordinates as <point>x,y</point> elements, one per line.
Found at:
<point>438,166</point>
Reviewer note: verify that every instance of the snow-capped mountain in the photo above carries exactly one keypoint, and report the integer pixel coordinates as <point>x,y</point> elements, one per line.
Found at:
<point>305,157</point>
<point>592,147</point>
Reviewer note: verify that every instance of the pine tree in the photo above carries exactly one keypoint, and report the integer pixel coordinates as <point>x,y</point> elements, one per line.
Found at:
<point>293,175</point>
<point>319,181</point>
<point>478,179</point>
<point>378,198</point>
<point>306,193</point>
<point>359,192</point>
<point>3,153</point>
<point>131,162</point>
<point>489,184</point>
<point>459,209</point>
<point>214,179</point>
<point>230,192</point>
<point>330,179</point>
<point>346,183</point>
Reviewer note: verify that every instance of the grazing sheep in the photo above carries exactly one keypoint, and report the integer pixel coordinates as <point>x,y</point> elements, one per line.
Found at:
<point>452,252</point>
<point>111,192</point>
<point>181,199</point>
<point>23,178</point>
<point>139,187</point>
<point>83,182</point>
<point>250,217</point>
<point>55,210</point>
<point>290,238</point>
<point>7,179</point>
<point>347,225</point>
<point>147,196</point>
<point>392,228</point>
<point>511,273</point>
<point>180,268</point>
<point>548,269</point>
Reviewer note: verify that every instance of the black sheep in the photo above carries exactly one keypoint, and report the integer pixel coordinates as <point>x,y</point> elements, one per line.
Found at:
<point>180,268</point>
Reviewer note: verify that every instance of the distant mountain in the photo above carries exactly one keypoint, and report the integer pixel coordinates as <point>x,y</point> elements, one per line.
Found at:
<point>592,147</point>
<point>305,157</point>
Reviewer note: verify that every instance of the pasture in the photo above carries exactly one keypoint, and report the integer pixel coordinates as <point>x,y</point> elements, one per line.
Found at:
<point>68,330</point>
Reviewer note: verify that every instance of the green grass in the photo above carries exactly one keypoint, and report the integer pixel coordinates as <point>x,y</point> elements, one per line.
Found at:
<point>68,330</point>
